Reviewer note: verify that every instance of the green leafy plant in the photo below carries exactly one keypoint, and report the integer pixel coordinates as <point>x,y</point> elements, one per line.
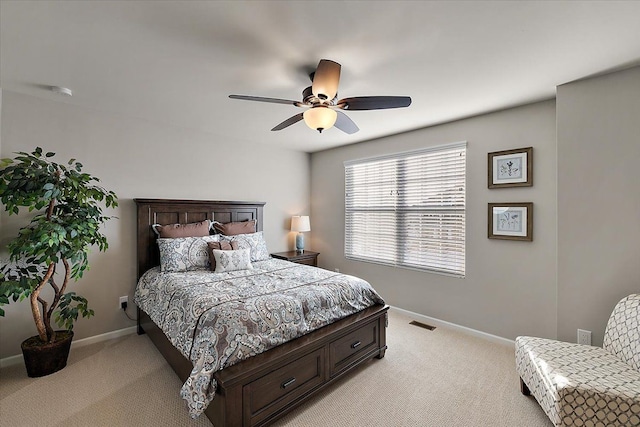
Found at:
<point>67,223</point>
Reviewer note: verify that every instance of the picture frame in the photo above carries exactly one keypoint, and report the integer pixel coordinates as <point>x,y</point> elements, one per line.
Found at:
<point>510,168</point>
<point>510,221</point>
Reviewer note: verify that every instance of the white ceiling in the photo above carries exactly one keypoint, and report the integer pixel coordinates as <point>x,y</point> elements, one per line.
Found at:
<point>176,62</point>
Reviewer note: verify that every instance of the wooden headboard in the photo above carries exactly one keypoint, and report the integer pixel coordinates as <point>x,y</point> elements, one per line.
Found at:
<point>168,211</point>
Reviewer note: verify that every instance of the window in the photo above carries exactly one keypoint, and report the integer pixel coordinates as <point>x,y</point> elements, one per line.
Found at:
<point>408,209</point>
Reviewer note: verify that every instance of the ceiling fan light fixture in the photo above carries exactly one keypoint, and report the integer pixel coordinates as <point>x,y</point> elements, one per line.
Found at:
<point>320,118</point>
<point>323,108</point>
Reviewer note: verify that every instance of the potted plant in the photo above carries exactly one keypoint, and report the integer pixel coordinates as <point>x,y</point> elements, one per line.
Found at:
<point>67,223</point>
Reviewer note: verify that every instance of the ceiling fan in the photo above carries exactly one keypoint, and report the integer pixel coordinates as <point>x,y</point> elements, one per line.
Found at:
<point>322,104</point>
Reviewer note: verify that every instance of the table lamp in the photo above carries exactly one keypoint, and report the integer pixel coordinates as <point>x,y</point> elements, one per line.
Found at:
<point>300,224</point>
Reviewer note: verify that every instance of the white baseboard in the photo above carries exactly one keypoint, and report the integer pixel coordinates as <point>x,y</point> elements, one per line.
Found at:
<point>437,322</point>
<point>14,360</point>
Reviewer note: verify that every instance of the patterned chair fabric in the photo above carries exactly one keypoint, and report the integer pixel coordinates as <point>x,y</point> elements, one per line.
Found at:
<point>622,336</point>
<point>579,385</point>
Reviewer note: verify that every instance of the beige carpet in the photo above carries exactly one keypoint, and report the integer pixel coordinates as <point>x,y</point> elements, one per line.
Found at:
<point>427,378</point>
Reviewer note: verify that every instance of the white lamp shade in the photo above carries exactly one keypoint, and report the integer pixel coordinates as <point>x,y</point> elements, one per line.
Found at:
<point>320,118</point>
<point>300,223</point>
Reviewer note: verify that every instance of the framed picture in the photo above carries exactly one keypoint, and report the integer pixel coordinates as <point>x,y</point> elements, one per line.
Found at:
<point>511,168</point>
<point>511,221</point>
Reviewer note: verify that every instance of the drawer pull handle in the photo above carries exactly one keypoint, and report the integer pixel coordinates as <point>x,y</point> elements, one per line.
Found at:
<point>356,344</point>
<point>288,382</point>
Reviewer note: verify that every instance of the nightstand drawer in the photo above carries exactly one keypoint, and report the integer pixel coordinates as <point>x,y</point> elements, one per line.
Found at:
<point>279,388</point>
<point>307,261</point>
<point>349,349</point>
<point>306,257</point>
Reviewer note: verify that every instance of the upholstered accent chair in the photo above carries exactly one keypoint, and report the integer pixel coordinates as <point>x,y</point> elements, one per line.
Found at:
<point>581,385</point>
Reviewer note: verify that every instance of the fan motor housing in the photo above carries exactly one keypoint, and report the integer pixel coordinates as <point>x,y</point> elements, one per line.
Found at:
<point>310,99</point>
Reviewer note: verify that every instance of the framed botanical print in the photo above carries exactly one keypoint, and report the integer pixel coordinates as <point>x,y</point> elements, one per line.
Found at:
<point>511,168</point>
<point>510,221</point>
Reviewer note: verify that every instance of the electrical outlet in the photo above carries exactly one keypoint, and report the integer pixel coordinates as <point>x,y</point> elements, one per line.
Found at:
<point>123,301</point>
<point>337,270</point>
<point>584,337</point>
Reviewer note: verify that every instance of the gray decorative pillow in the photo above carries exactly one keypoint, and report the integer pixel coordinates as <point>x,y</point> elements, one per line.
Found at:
<point>232,260</point>
<point>221,246</point>
<point>185,253</point>
<point>254,242</point>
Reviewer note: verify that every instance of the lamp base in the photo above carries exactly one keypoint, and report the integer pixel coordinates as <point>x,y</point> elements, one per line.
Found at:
<point>300,242</point>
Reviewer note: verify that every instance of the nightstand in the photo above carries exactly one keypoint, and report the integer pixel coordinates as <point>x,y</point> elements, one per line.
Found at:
<point>306,257</point>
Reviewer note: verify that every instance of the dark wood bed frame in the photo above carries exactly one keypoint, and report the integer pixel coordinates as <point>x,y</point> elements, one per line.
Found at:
<point>261,389</point>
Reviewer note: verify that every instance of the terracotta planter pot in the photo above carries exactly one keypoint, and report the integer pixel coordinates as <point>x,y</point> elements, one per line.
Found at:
<point>44,359</point>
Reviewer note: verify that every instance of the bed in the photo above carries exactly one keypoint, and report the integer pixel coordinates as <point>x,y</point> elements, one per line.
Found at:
<point>264,387</point>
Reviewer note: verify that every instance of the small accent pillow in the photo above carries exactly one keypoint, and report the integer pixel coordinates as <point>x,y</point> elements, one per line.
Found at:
<point>194,229</point>
<point>220,246</point>
<point>185,253</point>
<point>235,228</point>
<point>232,260</point>
<point>254,242</point>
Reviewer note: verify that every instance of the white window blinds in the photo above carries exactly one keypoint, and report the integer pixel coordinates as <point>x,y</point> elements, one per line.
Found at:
<point>408,209</point>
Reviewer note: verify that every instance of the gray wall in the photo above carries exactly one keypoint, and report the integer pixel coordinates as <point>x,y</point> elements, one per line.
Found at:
<point>510,286</point>
<point>599,199</point>
<point>137,158</point>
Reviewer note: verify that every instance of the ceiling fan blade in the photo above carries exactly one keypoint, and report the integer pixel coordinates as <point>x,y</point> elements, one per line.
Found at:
<point>263,99</point>
<point>290,121</point>
<point>374,102</point>
<point>345,124</point>
<point>326,79</point>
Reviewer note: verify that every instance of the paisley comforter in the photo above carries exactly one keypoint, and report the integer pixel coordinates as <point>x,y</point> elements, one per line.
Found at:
<point>219,319</point>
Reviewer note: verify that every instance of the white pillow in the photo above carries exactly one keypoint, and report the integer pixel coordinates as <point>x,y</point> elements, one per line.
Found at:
<point>185,253</point>
<point>254,241</point>
<point>232,260</point>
